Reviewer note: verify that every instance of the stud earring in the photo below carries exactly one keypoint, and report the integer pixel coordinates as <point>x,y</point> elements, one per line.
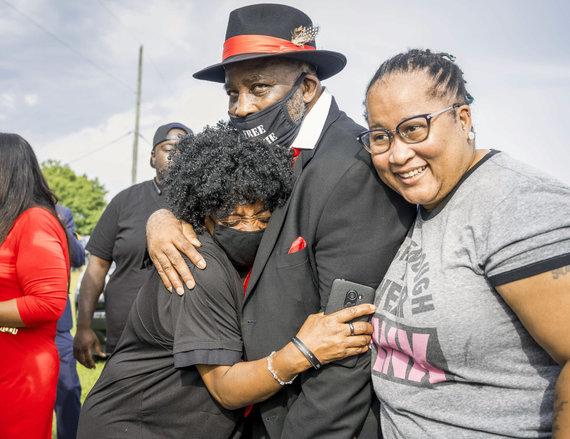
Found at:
<point>471,135</point>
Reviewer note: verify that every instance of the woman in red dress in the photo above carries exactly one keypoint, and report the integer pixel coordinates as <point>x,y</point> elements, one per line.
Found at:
<point>34,270</point>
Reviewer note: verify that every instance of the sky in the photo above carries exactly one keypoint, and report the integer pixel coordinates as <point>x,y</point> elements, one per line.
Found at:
<point>68,71</point>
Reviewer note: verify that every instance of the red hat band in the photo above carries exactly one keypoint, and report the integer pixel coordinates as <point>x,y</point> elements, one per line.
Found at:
<point>241,44</point>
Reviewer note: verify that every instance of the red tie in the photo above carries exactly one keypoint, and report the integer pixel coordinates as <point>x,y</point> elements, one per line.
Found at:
<point>245,282</point>
<point>296,152</point>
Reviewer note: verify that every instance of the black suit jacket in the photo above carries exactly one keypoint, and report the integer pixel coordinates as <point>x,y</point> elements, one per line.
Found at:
<point>353,225</point>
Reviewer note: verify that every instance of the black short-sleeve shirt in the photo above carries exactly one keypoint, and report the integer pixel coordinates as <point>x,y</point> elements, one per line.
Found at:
<point>119,236</point>
<point>150,386</point>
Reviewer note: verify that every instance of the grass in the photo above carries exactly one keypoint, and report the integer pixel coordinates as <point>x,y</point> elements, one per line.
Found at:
<point>87,377</point>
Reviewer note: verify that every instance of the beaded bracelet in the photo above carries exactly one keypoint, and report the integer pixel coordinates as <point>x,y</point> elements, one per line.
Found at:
<point>270,369</point>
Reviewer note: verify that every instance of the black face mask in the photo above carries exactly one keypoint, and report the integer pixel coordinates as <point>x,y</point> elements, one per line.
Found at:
<point>272,124</point>
<point>239,245</point>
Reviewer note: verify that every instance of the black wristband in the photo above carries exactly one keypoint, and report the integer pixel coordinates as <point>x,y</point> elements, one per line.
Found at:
<point>307,353</point>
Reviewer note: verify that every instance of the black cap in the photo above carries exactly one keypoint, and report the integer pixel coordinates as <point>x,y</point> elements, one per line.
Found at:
<point>272,30</point>
<point>162,132</point>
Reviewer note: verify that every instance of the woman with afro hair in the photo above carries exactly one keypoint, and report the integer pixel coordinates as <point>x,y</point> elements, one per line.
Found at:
<point>179,370</point>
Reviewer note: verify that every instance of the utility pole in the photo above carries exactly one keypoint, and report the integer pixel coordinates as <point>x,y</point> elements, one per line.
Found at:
<point>136,143</point>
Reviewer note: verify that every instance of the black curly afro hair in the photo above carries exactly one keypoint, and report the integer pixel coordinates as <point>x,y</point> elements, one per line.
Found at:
<point>218,169</point>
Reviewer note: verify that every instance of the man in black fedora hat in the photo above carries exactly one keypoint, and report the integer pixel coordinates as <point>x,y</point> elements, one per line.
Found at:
<point>340,220</point>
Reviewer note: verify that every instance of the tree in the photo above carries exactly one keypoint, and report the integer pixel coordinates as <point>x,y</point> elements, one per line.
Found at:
<point>84,196</point>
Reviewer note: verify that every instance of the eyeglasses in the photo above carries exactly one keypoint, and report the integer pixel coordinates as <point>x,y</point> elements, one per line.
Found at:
<point>412,130</point>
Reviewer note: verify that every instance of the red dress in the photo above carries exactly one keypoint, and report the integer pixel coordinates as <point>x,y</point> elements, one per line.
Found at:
<point>34,269</point>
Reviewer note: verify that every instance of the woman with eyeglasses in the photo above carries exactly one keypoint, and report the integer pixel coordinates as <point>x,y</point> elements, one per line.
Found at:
<point>178,370</point>
<point>473,317</point>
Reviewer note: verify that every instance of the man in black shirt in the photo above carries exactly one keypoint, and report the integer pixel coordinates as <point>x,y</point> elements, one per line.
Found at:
<point>119,237</point>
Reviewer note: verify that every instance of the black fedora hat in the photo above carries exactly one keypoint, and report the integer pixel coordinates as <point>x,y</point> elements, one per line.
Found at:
<point>272,30</point>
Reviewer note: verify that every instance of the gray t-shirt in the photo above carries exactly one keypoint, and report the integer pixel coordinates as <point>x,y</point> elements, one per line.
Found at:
<point>450,359</point>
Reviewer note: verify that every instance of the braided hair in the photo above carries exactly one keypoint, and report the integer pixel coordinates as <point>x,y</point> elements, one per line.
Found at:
<point>447,77</point>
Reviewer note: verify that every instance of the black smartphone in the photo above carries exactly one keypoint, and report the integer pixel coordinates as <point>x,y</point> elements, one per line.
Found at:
<point>345,294</point>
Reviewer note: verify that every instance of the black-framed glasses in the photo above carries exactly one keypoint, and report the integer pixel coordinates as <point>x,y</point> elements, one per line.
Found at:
<point>412,130</point>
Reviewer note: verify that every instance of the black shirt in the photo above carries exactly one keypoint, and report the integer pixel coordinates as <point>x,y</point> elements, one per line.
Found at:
<point>150,386</point>
<point>120,236</point>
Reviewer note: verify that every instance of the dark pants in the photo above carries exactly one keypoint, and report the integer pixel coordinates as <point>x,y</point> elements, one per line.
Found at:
<point>68,399</point>
<point>252,427</point>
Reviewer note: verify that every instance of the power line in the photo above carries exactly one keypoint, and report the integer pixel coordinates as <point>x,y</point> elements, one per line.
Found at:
<point>93,151</point>
<point>69,47</point>
<point>145,139</point>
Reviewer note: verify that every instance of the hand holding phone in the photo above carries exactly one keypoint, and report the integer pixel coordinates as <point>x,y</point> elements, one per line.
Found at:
<point>345,294</point>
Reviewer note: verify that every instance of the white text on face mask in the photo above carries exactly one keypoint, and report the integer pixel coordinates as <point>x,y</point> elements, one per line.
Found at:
<point>253,132</point>
<point>257,131</point>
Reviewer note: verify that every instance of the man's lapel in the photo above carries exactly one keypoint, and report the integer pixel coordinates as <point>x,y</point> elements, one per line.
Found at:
<point>275,224</point>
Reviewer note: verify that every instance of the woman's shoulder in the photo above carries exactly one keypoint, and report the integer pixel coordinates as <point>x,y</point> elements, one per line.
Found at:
<point>505,200</point>
<point>213,254</point>
<point>36,216</point>
<point>502,190</point>
<point>500,179</point>
<point>219,272</point>
<point>517,172</point>
<point>35,221</point>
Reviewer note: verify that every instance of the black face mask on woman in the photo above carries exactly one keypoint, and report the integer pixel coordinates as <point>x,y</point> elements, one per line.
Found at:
<point>240,246</point>
<point>272,124</point>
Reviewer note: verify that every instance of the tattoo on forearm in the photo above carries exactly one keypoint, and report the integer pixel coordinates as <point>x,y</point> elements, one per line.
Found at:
<point>559,406</point>
<point>560,272</point>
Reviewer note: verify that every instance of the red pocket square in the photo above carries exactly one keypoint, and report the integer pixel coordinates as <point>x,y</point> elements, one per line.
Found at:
<point>298,244</point>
